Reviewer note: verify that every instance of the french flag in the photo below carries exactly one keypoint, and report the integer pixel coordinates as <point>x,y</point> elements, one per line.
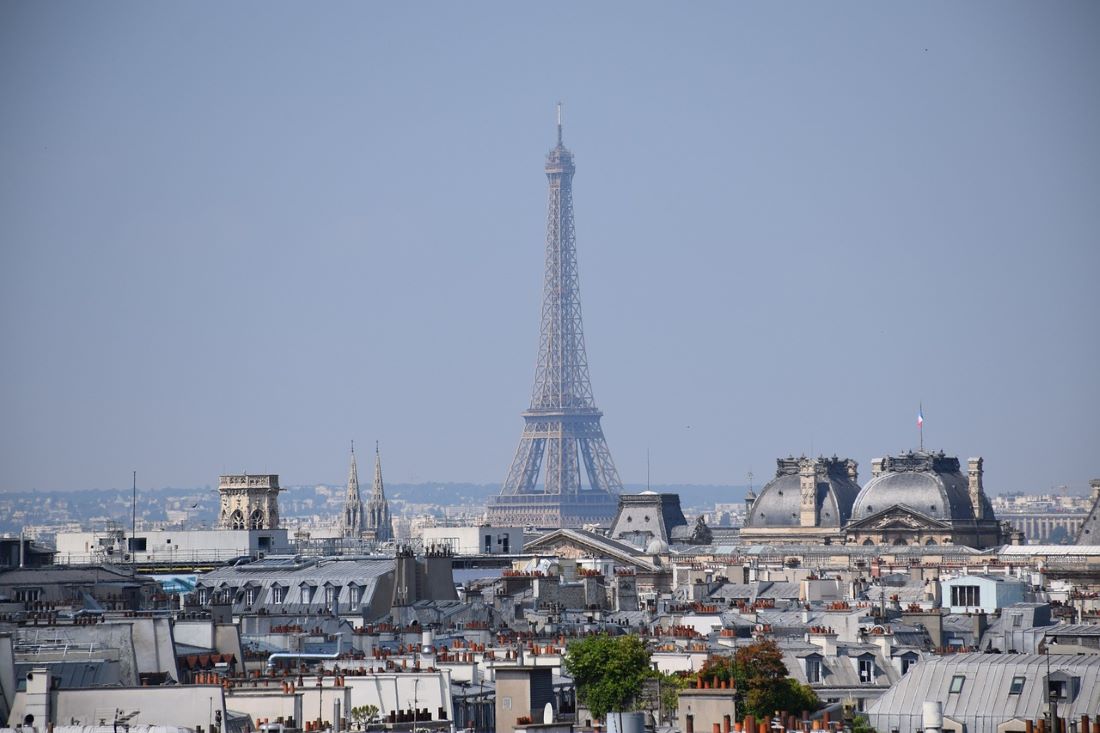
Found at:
<point>920,417</point>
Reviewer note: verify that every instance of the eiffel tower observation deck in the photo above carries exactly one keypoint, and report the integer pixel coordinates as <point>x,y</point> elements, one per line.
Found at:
<point>562,427</point>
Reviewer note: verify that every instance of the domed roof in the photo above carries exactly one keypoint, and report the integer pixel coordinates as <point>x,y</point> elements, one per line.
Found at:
<point>780,501</point>
<point>930,483</point>
<point>656,546</point>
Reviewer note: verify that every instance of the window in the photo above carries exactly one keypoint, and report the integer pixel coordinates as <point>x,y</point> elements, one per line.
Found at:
<point>488,544</point>
<point>813,670</point>
<point>307,593</point>
<point>906,663</point>
<point>1017,620</point>
<point>330,594</point>
<point>866,671</point>
<point>1017,685</point>
<point>27,595</point>
<point>957,683</point>
<point>204,596</point>
<point>278,594</point>
<point>966,595</point>
<point>249,595</point>
<point>137,544</point>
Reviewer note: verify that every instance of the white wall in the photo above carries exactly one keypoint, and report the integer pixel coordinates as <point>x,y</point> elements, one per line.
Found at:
<point>471,540</point>
<point>78,547</point>
<point>396,691</point>
<point>181,705</point>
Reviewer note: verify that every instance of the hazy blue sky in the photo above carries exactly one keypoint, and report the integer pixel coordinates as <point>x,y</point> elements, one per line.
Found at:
<point>236,236</point>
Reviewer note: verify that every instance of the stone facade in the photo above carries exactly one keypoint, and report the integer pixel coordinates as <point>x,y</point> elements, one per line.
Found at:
<point>249,501</point>
<point>923,498</point>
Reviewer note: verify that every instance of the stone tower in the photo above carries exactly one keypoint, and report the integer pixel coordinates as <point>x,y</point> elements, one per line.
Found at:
<point>809,473</point>
<point>975,489</point>
<point>378,509</point>
<point>249,501</point>
<point>352,525</point>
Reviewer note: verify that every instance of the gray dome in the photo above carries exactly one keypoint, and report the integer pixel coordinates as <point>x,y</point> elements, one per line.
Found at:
<point>930,483</point>
<point>780,501</point>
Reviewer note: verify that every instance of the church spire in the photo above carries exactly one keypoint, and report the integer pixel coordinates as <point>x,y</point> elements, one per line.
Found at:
<point>353,504</point>
<point>378,509</point>
<point>377,490</point>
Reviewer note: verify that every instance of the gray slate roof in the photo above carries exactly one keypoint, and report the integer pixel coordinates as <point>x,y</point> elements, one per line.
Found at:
<point>985,700</point>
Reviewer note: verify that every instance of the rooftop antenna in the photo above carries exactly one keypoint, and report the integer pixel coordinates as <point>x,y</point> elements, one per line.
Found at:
<point>646,448</point>
<point>133,524</point>
<point>559,123</point>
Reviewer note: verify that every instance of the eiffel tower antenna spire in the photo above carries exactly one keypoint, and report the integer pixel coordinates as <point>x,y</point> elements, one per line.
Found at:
<point>562,426</point>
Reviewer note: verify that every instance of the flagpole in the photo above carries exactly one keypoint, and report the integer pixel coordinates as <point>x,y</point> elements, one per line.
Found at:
<point>920,424</point>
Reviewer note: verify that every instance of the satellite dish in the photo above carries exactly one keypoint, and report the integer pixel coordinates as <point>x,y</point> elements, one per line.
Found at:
<point>548,714</point>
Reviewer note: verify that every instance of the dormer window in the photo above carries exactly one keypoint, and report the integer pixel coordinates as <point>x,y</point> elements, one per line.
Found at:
<point>957,684</point>
<point>813,670</point>
<point>866,671</point>
<point>1063,687</point>
<point>1017,685</point>
<point>278,594</point>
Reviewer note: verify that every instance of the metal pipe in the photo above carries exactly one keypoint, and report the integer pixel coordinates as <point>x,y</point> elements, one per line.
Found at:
<point>307,655</point>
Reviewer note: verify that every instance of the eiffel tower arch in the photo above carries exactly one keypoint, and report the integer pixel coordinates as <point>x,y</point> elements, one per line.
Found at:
<point>562,427</point>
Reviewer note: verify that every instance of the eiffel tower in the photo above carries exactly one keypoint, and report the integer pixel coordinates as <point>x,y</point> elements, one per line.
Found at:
<point>562,426</point>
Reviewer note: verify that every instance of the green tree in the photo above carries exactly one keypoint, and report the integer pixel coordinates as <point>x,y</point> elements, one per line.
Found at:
<point>364,714</point>
<point>669,686</point>
<point>860,724</point>
<point>763,680</point>
<point>608,671</point>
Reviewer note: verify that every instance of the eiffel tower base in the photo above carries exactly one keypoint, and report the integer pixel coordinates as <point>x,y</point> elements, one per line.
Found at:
<point>553,511</point>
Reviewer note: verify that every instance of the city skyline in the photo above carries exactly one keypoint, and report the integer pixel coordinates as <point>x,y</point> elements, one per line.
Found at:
<point>234,239</point>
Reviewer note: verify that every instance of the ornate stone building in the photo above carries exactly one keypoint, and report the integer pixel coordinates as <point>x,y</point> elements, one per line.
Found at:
<point>378,525</point>
<point>249,501</point>
<point>352,524</point>
<point>809,500</point>
<point>922,498</point>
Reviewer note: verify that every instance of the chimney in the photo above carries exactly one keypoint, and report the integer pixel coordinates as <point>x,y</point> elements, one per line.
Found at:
<point>808,471</point>
<point>977,494</point>
<point>823,638</point>
<point>884,642</point>
<point>37,705</point>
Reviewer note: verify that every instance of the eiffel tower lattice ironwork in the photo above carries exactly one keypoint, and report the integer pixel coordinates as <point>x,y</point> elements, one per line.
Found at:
<point>562,427</point>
